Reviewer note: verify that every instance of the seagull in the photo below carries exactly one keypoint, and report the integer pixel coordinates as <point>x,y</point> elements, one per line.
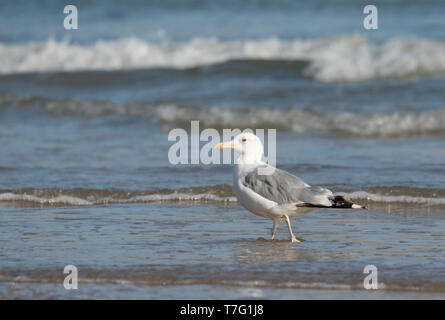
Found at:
<point>273,193</point>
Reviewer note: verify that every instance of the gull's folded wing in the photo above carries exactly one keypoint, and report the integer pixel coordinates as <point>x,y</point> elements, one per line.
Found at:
<point>283,188</point>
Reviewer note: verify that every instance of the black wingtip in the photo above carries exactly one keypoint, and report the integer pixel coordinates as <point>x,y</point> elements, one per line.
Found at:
<point>337,202</point>
<point>341,202</point>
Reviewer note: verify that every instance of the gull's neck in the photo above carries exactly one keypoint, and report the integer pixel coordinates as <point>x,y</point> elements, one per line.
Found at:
<point>244,159</point>
<point>245,164</point>
<point>250,156</point>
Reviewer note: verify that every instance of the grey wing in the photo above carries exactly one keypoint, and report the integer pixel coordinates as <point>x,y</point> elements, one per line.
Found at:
<point>283,188</point>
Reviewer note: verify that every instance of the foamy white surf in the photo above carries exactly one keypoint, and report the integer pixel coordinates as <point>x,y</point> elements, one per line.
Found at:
<point>202,197</point>
<point>65,200</point>
<point>373,197</point>
<point>85,199</point>
<point>386,125</point>
<point>344,58</point>
<point>58,200</point>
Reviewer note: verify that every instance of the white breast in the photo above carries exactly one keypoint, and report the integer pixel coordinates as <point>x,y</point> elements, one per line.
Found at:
<point>249,199</point>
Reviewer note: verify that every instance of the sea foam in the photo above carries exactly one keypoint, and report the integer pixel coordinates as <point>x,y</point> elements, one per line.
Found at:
<point>393,124</point>
<point>341,58</point>
<point>221,194</point>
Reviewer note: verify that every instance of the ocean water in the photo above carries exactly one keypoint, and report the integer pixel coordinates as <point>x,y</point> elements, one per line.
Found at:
<point>84,173</point>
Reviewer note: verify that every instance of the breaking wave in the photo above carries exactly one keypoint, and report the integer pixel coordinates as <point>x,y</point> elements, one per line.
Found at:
<point>219,194</point>
<point>398,195</point>
<point>428,122</point>
<point>88,197</point>
<point>341,58</point>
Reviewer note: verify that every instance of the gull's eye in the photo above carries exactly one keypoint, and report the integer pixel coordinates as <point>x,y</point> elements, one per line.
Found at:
<point>243,139</point>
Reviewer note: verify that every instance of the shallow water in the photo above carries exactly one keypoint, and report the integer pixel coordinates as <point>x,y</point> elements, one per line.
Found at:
<point>139,250</point>
<point>85,177</point>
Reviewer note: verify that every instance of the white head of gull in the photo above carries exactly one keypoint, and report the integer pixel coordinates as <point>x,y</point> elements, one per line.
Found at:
<point>248,146</point>
<point>277,195</point>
